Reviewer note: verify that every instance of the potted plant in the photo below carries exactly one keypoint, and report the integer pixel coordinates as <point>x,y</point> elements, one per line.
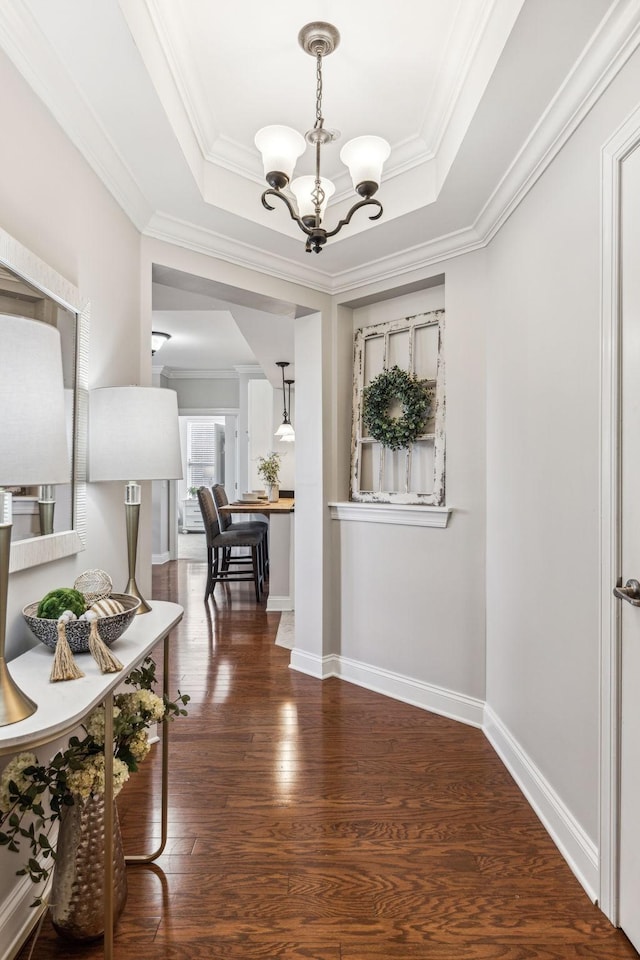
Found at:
<point>269,470</point>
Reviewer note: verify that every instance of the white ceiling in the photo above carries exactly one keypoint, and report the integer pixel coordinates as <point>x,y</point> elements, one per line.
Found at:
<point>164,98</point>
<point>216,329</point>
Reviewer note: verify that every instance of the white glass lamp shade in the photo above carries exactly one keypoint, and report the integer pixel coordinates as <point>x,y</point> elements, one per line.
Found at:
<point>365,157</point>
<point>285,432</point>
<point>289,434</point>
<point>134,434</point>
<point>158,340</point>
<point>33,431</point>
<point>280,148</point>
<point>302,188</point>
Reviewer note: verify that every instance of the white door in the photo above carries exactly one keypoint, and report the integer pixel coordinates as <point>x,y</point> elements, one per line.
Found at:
<point>630,539</point>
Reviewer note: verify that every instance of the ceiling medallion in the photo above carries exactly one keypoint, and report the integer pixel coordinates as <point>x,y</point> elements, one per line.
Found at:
<point>281,146</point>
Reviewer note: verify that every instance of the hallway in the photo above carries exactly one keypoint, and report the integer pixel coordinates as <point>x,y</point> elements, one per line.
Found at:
<point>322,821</point>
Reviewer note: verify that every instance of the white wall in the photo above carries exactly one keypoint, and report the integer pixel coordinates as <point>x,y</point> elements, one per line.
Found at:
<point>54,205</point>
<point>543,372</point>
<point>412,598</point>
<point>208,394</point>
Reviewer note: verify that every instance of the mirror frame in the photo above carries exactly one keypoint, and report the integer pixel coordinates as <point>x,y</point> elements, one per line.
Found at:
<point>30,268</point>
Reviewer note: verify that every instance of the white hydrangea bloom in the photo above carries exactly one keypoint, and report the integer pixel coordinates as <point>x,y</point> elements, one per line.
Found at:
<point>139,745</point>
<point>95,723</point>
<point>89,779</point>
<point>142,703</point>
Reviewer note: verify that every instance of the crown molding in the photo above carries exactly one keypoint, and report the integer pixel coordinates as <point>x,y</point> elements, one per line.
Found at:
<point>178,373</point>
<point>603,58</point>
<point>169,229</point>
<point>250,370</point>
<point>32,55</point>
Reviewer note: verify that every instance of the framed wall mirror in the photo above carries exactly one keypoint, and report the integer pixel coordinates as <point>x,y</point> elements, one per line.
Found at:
<point>30,288</point>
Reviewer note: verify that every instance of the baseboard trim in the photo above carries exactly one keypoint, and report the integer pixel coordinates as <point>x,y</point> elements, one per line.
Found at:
<point>17,918</point>
<point>319,667</point>
<point>576,847</point>
<point>428,696</point>
<point>277,604</point>
<point>446,703</point>
<point>160,558</point>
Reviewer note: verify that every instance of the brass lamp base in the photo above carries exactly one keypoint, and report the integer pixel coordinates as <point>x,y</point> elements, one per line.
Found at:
<point>132,516</point>
<point>133,591</point>
<point>14,704</point>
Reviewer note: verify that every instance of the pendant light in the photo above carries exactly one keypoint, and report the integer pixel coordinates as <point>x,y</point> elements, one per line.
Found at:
<point>285,431</point>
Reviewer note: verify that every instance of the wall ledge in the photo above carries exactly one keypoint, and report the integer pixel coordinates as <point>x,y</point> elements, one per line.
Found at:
<point>413,515</point>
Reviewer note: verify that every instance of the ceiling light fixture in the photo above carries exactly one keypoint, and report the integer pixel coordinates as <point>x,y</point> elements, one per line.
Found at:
<point>285,431</point>
<point>158,340</point>
<point>281,146</point>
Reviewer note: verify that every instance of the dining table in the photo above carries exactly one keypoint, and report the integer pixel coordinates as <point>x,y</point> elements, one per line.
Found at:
<point>260,505</point>
<point>279,513</point>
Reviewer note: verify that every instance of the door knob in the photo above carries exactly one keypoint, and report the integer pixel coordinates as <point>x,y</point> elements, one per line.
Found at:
<point>630,592</point>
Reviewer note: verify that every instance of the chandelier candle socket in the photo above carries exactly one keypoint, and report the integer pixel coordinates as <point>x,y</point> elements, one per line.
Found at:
<point>281,146</point>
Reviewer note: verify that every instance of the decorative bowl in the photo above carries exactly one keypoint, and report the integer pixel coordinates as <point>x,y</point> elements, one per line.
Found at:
<point>77,631</point>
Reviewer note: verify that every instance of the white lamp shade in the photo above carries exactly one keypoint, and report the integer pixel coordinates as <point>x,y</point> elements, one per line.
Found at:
<point>33,432</point>
<point>302,188</point>
<point>365,157</point>
<point>289,435</point>
<point>280,148</point>
<point>158,340</point>
<point>134,434</point>
<point>285,432</point>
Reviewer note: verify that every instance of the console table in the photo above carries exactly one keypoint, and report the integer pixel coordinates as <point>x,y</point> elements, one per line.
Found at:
<point>62,707</point>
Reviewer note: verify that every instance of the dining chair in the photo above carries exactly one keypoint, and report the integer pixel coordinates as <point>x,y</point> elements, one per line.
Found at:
<point>226,523</point>
<point>220,547</point>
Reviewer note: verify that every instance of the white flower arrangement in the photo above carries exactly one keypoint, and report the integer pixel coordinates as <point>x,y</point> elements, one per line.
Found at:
<point>38,792</point>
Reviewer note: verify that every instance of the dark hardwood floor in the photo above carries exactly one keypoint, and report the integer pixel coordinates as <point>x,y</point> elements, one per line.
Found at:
<point>321,821</point>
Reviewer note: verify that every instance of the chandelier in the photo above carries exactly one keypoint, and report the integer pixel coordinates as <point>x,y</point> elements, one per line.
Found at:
<point>281,146</point>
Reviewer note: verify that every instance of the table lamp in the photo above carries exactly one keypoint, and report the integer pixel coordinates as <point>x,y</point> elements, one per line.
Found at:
<point>33,451</point>
<point>133,432</point>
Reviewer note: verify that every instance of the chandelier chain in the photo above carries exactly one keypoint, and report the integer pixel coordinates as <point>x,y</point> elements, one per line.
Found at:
<point>317,194</point>
<point>319,117</point>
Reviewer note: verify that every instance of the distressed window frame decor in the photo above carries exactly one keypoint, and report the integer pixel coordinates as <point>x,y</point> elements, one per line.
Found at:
<point>430,444</point>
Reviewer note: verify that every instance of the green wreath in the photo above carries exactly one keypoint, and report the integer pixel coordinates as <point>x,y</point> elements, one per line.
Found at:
<point>395,384</point>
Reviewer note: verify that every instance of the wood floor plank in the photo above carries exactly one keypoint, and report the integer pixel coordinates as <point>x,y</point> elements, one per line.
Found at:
<point>317,820</point>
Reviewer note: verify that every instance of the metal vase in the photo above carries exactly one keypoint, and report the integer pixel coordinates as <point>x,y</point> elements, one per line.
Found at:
<point>77,893</point>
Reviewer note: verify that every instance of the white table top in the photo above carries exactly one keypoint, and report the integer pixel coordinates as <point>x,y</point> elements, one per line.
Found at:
<point>62,705</point>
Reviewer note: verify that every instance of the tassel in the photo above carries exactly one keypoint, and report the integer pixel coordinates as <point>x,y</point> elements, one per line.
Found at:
<point>64,666</point>
<point>100,651</point>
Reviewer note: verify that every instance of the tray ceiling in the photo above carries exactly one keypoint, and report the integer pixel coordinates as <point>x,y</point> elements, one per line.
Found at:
<point>164,99</point>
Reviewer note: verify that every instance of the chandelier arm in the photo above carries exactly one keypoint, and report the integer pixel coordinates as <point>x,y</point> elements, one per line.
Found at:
<point>356,206</point>
<point>294,216</point>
